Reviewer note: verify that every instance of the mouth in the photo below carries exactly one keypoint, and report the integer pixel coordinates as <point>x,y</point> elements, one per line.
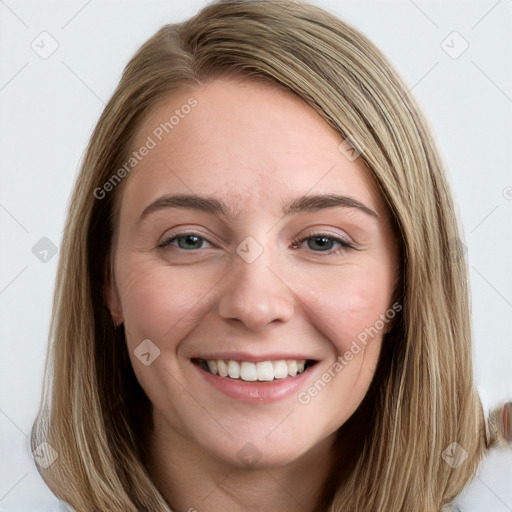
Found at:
<point>251,371</point>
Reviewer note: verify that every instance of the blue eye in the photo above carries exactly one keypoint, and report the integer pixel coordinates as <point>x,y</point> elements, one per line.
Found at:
<point>317,242</point>
<point>325,241</point>
<point>189,239</point>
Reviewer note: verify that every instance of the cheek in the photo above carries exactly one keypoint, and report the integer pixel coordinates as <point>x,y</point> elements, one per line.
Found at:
<point>350,306</point>
<point>157,301</point>
<point>348,312</point>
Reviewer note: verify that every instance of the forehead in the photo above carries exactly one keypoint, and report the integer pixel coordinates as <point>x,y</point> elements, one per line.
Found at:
<point>249,144</point>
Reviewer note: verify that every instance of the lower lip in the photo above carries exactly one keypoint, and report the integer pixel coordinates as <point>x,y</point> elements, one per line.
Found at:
<point>257,392</point>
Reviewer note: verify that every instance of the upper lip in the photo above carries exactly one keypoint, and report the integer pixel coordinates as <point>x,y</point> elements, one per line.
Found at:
<point>242,356</point>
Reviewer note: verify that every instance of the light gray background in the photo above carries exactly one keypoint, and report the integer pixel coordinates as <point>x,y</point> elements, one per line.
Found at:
<point>49,106</point>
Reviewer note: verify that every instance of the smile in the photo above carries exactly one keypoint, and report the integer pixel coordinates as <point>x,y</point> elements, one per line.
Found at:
<point>248,371</point>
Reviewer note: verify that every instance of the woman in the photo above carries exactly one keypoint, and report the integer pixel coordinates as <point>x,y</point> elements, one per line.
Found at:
<point>256,369</point>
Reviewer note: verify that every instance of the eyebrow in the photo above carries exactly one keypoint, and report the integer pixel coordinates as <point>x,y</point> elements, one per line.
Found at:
<point>214,206</point>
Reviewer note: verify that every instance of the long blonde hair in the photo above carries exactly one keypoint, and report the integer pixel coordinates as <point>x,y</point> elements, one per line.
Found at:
<point>94,413</point>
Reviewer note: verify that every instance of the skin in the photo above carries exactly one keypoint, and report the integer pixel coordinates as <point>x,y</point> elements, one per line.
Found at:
<point>255,148</point>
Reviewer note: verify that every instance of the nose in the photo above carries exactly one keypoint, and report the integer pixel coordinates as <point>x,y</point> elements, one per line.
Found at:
<point>254,294</point>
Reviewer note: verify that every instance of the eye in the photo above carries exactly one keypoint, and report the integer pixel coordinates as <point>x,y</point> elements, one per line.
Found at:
<point>186,240</point>
<point>324,242</point>
<point>320,242</point>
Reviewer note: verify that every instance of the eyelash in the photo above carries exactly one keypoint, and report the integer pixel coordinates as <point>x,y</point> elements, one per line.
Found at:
<point>344,244</point>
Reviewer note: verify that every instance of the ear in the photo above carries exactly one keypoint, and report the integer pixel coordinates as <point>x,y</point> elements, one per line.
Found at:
<point>111,295</point>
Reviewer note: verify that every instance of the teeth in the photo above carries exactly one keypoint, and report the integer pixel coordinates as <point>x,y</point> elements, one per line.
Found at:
<point>280,369</point>
<point>263,371</point>
<point>292,368</point>
<point>233,369</point>
<point>222,368</point>
<point>247,371</point>
<point>212,366</point>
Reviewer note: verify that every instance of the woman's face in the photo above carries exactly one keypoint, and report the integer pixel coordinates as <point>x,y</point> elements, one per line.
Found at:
<point>269,273</point>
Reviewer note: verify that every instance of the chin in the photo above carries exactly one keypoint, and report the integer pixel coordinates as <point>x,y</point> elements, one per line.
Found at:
<point>260,450</point>
<point>251,457</point>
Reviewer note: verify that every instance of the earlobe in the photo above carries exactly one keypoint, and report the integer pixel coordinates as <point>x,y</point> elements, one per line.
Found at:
<point>111,296</point>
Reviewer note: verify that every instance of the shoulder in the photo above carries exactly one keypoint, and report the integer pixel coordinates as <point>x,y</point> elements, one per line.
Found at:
<point>491,487</point>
